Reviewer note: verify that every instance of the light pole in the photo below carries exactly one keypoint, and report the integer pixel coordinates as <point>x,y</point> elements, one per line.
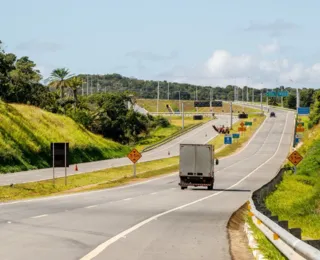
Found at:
<point>158,98</point>
<point>230,115</point>
<point>168,90</point>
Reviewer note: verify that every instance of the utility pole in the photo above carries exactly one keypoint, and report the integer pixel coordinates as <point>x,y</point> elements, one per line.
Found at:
<point>231,115</point>
<point>298,99</point>
<point>242,100</point>
<point>182,108</point>
<point>252,95</point>
<point>87,85</point>
<point>197,93</point>
<point>179,102</point>
<point>168,91</point>
<point>261,98</point>
<point>158,98</point>
<point>282,98</point>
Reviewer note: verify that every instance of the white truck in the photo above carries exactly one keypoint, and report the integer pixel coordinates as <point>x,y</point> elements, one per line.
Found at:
<point>196,165</point>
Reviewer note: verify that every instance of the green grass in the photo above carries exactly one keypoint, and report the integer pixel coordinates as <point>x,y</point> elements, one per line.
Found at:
<point>265,246</point>
<point>26,133</point>
<point>161,133</point>
<point>297,198</point>
<point>151,106</point>
<point>89,181</point>
<point>218,142</point>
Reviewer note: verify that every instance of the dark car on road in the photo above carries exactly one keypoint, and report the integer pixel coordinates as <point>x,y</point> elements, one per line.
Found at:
<point>272,114</point>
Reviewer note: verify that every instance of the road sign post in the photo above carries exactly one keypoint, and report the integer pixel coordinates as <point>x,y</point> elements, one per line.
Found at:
<point>228,139</point>
<point>295,158</point>
<point>303,110</point>
<point>60,158</point>
<point>134,157</point>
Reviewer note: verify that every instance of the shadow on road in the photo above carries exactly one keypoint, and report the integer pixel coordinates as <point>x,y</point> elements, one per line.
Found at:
<point>235,190</point>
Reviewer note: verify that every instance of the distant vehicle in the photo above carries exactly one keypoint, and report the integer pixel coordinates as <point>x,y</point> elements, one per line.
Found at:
<point>196,165</point>
<point>272,114</point>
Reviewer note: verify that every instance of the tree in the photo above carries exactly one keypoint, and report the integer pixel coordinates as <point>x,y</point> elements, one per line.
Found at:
<point>74,84</point>
<point>315,111</point>
<point>59,79</point>
<point>291,101</point>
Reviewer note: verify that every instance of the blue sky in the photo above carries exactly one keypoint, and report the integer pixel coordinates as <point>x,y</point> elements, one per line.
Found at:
<point>205,41</point>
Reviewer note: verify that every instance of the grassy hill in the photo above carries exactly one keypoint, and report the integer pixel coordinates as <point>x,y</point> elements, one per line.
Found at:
<point>297,198</point>
<point>26,133</point>
<point>151,106</point>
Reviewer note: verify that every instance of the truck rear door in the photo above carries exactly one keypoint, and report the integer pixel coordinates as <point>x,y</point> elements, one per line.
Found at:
<point>203,161</point>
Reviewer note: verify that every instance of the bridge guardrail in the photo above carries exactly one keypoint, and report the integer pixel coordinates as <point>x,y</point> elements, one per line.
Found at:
<point>293,247</point>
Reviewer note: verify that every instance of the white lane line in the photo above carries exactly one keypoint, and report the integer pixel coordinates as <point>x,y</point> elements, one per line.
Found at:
<point>40,216</point>
<point>127,199</point>
<point>189,135</point>
<point>92,206</point>
<point>153,193</point>
<point>88,192</point>
<point>114,239</point>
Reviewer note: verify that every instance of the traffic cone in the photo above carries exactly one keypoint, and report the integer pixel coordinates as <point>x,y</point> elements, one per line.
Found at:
<point>76,168</point>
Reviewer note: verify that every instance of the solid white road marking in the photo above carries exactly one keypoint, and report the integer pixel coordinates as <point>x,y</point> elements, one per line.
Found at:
<point>114,239</point>
<point>127,199</point>
<point>154,193</point>
<point>40,216</point>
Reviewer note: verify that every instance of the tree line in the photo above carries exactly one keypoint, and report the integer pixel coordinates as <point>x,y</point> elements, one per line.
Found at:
<point>100,102</point>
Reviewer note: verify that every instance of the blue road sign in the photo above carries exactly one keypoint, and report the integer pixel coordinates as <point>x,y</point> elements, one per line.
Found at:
<point>227,139</point>
<point>271,94</point>
<point>277,94</point>
<point>303,110</point>
<point>235,136</point>
<point>282,93</point>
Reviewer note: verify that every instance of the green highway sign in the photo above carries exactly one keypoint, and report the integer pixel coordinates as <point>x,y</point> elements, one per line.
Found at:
<point>235,136</point>
<point>248,123</point>
<point>277,94</point>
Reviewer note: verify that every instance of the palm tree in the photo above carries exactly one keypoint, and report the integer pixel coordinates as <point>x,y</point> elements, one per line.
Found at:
<point>60,79</point>
<point>74,83</point>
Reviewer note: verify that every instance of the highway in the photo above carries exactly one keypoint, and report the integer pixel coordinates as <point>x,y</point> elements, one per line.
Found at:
<point>151,220</point>
<point>201,134</point>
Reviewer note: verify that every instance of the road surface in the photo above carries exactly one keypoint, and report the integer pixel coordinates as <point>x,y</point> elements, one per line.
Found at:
<point>201,134</point>
<point>152,220</point>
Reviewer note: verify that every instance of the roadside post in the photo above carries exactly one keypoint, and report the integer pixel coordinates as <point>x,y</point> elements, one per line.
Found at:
<point>60,158</point>
<point>134,157</point>
<point>295,158</point>
<point>242,127</point>
<point>227,139</point>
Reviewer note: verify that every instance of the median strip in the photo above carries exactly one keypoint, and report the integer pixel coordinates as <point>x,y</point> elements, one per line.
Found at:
<point>109,177</point>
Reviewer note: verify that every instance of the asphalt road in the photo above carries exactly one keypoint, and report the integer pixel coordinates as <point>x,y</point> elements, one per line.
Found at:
<point>150,220</point>
<point>201,134</point>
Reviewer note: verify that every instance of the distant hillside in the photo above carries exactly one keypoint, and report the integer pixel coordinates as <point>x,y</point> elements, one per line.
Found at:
<point>151,106</point>
<point>26,133</point>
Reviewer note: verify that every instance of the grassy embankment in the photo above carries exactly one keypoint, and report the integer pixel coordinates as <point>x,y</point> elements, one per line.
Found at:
<point>26,133</point>
<point>297,198</point>
<point>226,150</point>
<point>151,106</point>
<point>98,180</point>
<point>161,133</point>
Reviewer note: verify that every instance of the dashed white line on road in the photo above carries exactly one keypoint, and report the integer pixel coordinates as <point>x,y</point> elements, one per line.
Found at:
<point>40,216</point>
<point>127,199</point>
<point>154,193</point>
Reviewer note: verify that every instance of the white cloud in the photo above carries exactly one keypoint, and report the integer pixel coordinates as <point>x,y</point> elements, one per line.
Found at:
<point>270,48</point>
<point>224,68</point>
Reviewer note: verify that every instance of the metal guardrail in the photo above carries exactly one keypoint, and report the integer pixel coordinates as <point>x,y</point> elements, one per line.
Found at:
<point>292,247</point>
<point>172,137</point>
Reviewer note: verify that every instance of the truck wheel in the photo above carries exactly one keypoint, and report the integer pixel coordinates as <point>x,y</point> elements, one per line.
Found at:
<point>182,188</point>
<point>210,187</point>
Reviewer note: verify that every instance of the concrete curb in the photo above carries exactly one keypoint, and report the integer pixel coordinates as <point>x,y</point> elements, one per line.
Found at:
<point>253,243</point>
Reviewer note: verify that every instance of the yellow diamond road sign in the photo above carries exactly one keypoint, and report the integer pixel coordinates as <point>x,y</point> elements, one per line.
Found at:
<point>134,155</point>
<point>295,158</point>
